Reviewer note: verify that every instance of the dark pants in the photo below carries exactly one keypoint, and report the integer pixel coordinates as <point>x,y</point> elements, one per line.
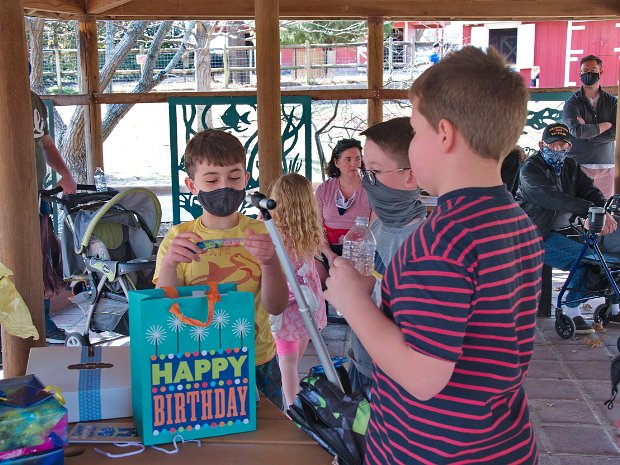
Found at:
<point>50,326</point>
<point>269,382</point>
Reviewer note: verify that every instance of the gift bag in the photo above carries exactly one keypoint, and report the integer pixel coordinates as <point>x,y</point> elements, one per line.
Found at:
<point>192,362</point>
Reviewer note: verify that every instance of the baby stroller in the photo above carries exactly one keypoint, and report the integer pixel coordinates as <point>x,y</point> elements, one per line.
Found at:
<point>108,241</point>
<point>601,271</point>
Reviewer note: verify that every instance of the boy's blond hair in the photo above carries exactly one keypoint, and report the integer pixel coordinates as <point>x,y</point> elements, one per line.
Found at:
<point>477,93</point>
<point>296,214</point>
<point>216,147</point>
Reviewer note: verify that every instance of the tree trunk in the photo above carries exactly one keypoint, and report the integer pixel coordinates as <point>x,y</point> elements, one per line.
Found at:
<point>110,29</point>
<point>35,44</point>
<point>202,63</point>
<point>238,58</point>
<point>148,81</point>
<point>72,144</point>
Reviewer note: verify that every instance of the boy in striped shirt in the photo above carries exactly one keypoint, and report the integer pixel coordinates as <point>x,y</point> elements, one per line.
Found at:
<point>453,339</point>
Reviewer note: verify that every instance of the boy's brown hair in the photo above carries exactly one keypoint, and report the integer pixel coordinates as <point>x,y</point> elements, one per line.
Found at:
<point>477,93</point>
<point>216,147</point>
<point>393,137</point>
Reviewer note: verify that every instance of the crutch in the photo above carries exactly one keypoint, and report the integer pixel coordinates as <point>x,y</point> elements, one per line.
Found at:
<point>265,204</point>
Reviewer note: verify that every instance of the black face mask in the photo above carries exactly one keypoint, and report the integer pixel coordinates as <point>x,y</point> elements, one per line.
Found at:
<point>221,202</point>
<point>589,78</point>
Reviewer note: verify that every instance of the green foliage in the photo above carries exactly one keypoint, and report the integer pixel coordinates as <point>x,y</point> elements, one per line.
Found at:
<point>60,34</point>
<point>54,90</point>
<point>322,32</point>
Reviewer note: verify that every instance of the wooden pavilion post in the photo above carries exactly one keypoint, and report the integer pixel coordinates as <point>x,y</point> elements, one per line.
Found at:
<point>20,248</point>
<point>89,84</point>
<point>375,70</point>
<point>617,171</point>
<point>268,91</point>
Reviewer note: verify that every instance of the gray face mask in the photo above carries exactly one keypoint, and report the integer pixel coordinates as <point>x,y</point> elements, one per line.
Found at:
<point>221,202</point>
<point>394,207</point>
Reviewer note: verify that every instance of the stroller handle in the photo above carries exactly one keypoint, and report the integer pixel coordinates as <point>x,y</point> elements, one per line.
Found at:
<point>50,194</point>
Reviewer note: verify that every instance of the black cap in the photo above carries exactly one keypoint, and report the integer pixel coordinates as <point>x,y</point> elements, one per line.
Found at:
<point>436,44</point>
<point>555,132</point>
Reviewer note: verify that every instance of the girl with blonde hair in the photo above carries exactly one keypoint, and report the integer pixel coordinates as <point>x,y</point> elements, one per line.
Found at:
<point>296,217</point>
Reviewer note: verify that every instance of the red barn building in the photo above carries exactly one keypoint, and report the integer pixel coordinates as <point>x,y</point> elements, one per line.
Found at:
<point>555,46</point>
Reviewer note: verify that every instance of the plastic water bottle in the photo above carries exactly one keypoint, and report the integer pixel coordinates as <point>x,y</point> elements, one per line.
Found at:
<point>359,246</point>
<point>100,181</point>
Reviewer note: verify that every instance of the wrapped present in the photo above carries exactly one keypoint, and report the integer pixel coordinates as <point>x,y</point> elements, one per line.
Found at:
<point>192,362</point>
<point>95,381</point>
<point>32,421</point>
<point>49,457</point>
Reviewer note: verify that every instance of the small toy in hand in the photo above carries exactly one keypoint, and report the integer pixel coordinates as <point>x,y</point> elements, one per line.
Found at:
<point>219,243</point>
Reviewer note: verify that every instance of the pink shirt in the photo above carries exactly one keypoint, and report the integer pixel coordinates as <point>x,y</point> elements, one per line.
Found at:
<point>326,200</point>
<point>293,327</point>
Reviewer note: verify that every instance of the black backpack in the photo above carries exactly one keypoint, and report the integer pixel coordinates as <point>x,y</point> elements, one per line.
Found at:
<point>336,420</point>
<point>615,380</point>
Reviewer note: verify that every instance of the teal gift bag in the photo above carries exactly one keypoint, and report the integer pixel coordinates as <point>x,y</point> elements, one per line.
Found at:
<point>192,362</point>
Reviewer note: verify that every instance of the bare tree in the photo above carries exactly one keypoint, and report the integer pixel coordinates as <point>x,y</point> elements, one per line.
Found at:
<point>34,28</point>
<point>202,61</point>
<point>72,145</point>
<point>70,137</point>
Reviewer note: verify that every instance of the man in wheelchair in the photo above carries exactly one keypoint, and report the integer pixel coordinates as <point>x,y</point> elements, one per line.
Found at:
<point>552,189</point>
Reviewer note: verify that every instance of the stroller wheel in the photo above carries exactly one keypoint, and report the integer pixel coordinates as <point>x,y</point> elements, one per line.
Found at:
<point>565,326</point>
<point>602,314</point>
<point>618,344</point>
<point>76,340</point>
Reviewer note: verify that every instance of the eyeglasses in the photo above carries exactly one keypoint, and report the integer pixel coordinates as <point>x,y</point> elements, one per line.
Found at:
<point>371,175</point>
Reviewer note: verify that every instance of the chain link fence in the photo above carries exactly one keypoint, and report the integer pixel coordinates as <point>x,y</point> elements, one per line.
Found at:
<point>234,67</point>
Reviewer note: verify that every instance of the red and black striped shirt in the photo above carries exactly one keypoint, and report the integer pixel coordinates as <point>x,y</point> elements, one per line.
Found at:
<point>464,288</point>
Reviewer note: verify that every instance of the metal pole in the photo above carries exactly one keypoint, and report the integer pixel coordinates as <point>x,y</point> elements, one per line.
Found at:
<point>313,331</point>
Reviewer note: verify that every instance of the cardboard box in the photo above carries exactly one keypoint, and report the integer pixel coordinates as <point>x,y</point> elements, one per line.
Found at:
<point>32,421</point>
<point>95,381</point>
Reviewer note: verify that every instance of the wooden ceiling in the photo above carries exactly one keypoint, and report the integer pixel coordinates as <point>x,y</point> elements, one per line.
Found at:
<point>324,9</point>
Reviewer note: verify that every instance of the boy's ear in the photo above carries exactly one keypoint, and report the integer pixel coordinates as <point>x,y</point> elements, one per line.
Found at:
<point>247,177</point>
<point>191,186</point>
<point>410,181</point>
<point>447,134</point>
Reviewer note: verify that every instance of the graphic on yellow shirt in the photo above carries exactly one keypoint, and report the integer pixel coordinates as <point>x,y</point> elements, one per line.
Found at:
<point>224,265</point>
<point>240,270</point>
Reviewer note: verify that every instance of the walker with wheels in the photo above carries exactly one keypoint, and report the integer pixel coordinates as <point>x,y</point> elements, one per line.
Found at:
<point>601,271</point>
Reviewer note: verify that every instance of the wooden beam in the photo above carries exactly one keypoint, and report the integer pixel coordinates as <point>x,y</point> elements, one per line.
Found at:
<point>375,70</point>
<point>96,7</point>
<point>89,83</point>
<point>268,92</point>
<point>315,94</point>
<point>359,9</point>
<point>65,7</point>
<point>20,241</point>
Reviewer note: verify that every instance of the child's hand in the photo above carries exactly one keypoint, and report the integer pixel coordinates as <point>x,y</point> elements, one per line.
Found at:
<point>261,247</point>
<point>331,256</point>
<point>345,287</point>
<point>183,249</point>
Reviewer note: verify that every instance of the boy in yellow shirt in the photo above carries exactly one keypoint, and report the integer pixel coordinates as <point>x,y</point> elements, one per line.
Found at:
<point>215,164</point>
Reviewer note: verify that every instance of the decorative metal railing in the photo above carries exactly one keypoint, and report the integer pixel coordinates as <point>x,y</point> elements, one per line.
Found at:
<point>237,115</point>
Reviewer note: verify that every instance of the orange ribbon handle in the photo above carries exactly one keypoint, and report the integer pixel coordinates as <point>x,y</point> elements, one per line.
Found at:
<point>213,297</point>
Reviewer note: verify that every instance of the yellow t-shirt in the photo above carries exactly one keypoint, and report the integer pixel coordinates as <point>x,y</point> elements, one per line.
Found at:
<point>224,265</point>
